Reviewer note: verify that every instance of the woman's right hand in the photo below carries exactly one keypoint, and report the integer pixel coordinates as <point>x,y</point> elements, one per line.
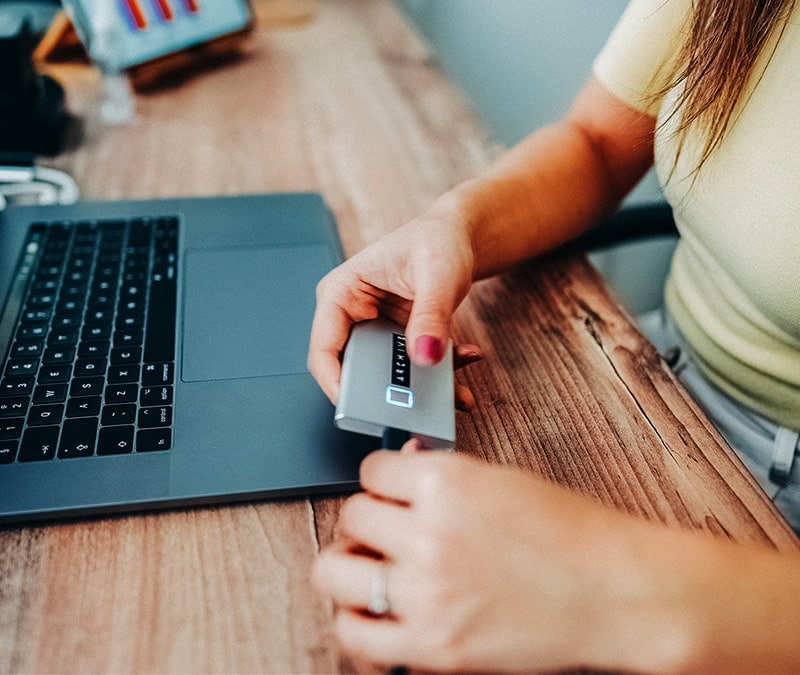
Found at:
<point>416,276</point>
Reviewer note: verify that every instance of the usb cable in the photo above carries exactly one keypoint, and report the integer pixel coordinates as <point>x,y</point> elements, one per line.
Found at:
<point>393,438</point>
<point>31,184</point>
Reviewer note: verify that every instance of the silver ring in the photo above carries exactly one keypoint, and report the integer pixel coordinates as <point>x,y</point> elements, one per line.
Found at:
<point>378,602</point>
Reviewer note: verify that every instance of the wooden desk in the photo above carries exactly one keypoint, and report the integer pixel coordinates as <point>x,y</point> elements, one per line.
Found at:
<point>350,104</point>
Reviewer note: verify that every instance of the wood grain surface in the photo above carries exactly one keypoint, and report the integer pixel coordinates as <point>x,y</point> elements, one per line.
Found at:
<point>352,104</point>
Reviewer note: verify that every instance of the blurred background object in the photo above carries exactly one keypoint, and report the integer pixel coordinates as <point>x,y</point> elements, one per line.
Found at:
<point>276,13</point>
<point>156,42</point>
<point>33,116</point>
<point>40,13</point>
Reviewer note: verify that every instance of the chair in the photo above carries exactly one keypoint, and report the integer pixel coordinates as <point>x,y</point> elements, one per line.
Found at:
<point>632,250</point>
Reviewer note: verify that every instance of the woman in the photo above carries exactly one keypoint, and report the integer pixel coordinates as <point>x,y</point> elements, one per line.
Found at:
<point>444,562</point>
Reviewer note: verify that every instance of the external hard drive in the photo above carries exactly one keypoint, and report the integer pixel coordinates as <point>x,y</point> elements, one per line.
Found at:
<point>382,390</point>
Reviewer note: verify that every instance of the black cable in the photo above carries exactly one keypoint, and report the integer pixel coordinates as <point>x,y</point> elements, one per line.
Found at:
<point>393,438</point>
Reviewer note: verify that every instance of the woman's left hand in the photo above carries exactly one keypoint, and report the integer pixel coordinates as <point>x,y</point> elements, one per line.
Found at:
<point>480,566</point>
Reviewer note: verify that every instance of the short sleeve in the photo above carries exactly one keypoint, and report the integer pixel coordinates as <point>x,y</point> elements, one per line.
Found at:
<point>641,51</point>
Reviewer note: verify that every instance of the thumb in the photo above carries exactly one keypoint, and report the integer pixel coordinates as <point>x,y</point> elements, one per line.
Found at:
<point>428,329</point>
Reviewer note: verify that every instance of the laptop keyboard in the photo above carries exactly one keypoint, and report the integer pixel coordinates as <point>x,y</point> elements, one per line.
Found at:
<point>90,325</point>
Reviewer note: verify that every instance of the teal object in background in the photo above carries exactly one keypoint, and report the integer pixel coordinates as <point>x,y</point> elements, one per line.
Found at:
<point>519,62</point>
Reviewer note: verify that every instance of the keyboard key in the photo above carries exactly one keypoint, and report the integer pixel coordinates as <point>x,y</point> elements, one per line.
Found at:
<point>40,415</point>
<point>25,348</point>
<point>41,300</point>
<point>124,413</point>
<point>133,307</point>
<point>128,322</point>
<point>45,285</point>
<point>58,355</point>
<point>96,332</point>
<point>67,321</point>
<point>115,440</point>
<point>62,338</point>
<point>101,301</point>
<point>70,306</point>
<point>16,386</point>
<point>133,280</point>
<point>105,276</point>
<point>87,386</point>
<point>8,451</point>
<point>54,374</point>
<point>38,443</point>
<point>160,416</point>
<point>76,276</point>
<point>32,330</point>
<point>157,373</point>
<point>55,393</point>
<point>93,349</point>
<point>48,272</point>
<point>17,367</point>
<point>87,367</point>
<point>148,440</point>
<point>100,316</point>
<point>128,337</point>
<point>156,396</point>
<point>78,437</point>
<point>31,316</point>
<point>84,406</point>
<point>11,428</point>
<point>76,292</point>
<point>122,393</point>
<point>122,356</point>
<point>122,374</point>
<point>13,406</point>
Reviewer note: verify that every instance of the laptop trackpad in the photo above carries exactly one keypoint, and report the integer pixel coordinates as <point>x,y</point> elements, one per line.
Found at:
<point>247,312</point>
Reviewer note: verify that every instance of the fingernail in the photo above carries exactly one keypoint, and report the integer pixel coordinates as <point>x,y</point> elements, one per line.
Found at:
<point>412,446</point>
<point>430,348</point>
<point>471,357</point>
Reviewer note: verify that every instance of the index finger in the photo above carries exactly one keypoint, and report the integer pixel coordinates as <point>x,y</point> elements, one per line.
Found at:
<point>329,332</point>
<point>386,473</point>
<point>343,298</point>
<point>402,477</point>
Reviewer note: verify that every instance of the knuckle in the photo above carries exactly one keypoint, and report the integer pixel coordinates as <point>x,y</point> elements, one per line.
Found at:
<point>323,286</point>
<point>442,643</point>
<point>349,637</point>
<point>443,481</point>
<point>435,480</point>
<point>436,551</point>
<point>312,363</point>
<point>351,510</point>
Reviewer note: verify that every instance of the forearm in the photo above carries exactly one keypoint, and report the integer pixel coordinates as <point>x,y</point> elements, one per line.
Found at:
<point>556,183</point>
<point>689,602</point>
<point>747,611</point>
<point>543,193</point>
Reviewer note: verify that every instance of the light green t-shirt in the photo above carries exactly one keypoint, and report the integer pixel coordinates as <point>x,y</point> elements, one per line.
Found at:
<point>734,284</point>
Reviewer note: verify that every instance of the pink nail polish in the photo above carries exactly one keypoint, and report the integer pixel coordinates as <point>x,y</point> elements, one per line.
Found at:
<point>430,348</point>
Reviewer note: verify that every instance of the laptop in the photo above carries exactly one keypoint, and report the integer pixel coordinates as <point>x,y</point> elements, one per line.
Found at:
<point>154,356</point>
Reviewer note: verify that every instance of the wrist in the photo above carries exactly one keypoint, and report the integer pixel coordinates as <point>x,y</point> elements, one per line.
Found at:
<point>481,222</point>
<point>456,210</point>
<point>647,610</point>
<point>677,600</point>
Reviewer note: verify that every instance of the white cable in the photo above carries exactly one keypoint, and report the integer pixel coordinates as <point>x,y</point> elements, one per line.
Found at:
<point>16,174</point>
<point>67,188</point>
<point>37,184</point>
<point>34,192</point>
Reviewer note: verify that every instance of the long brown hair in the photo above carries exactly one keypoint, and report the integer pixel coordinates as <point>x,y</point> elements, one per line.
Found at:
<point>725,39</point>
